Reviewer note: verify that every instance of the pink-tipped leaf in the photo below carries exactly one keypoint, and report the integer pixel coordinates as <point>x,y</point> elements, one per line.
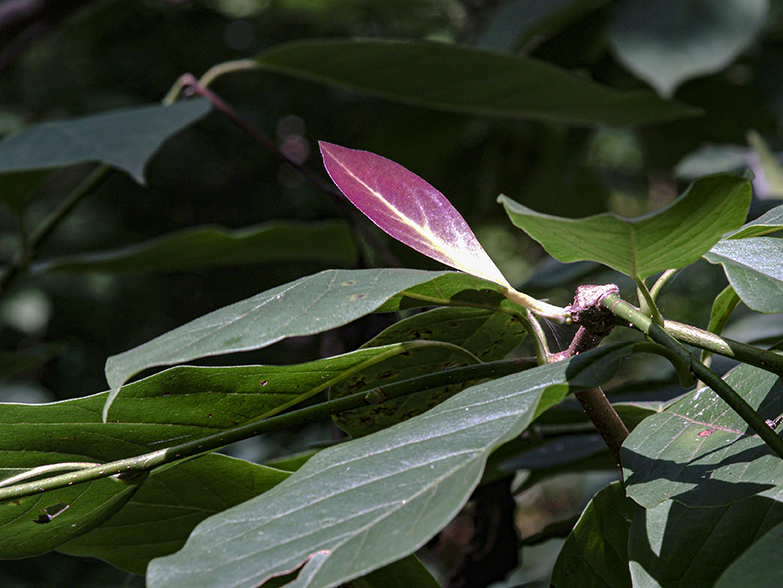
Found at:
<point>409,209</point>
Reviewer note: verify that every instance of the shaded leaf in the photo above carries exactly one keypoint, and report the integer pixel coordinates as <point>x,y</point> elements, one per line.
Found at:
<point>22,360</point>
<point>595,555</point>
<point>451,288</point>
<point>753,267</point>
<point>674,545</point>
<point>486,334</point>
<point>208,247</point>
<point>671,237</point>
<point>405,573</point>
<point>700,452</point>
<point>409,209</point>
<point>755,566</point>
<point>666,44</point>
<point>366,503</point>
<point>27,527</point>
<point>313,304</point>
<point>462,79</point>
<point>157,520</point>
<point>125,139</point>
<point>16,187</point>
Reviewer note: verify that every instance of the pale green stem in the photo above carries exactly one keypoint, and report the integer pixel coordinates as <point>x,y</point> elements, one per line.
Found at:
<point>661,282</point>
<point>647,302</point>
<point>544,309</point>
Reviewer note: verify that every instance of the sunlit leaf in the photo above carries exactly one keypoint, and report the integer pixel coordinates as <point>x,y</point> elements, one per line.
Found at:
<point>672,237</point>
<point>363,504</point>
<point>754,269</point>
<point>409,209</point>
<point>313,304</point>
<point>700,452</point>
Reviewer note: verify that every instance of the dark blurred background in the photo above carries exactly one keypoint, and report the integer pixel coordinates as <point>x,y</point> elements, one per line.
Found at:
<point>61,59</point>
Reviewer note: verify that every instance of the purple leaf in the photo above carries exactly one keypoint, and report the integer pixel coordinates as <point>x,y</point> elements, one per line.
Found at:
<point>409,209</point>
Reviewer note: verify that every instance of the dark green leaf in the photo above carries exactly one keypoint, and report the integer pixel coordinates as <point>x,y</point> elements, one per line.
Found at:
<point>125,139</point>
<point>595,555</point>
<point>674,545</point>
<point>15,187</point>
<point>207,247</point>
<point>700,452</point>
<point>35,525</point>
<point>405,573</point>
<point>486,334</point>
<point>666,44</point>
<point>456,78</point>
<point>671,237</point>
<point>157,520</point>
<point>313,304</point>
<point>753,267</point>
<point>449,289</point>
<point>757,565</point>
<point>363,504</point>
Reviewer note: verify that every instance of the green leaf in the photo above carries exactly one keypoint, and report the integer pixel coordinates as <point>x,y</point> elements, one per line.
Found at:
<point>701,453</point>
<point>486,334</point>
<point>36,525</point>
<point>753,268</point>
<point>449,289</point>
<point>171,407</point>
<point>16,187</point>
<point>22,360</point>
<point>754,567</point>
<point>405,573</point>
<point>157,520</point>
<point>207,247</point>
<point>409,209</point>
<point>674,545</point>
<point>462,79</point>
<point>671,237</point>
<point>769,222</point>
<point>666,44</point>
<point>125,139</point>
<point>595,555</point>
<point>366,503</point>
<point>313,304</point>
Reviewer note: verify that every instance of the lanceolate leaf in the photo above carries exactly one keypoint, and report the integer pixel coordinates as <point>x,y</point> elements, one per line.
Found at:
<point>205,247</point>
<point>125,139</point>
<point>754,269</point>
<point>309,305</point>
<point>358,506</point>
<point>769,222</point>
<point>672,237</point>
<point>409,209</point>
<point>700,452</point>
<point>463,79</point>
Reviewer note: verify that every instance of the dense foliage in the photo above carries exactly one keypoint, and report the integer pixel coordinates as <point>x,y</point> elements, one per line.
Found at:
<point>232,355</point>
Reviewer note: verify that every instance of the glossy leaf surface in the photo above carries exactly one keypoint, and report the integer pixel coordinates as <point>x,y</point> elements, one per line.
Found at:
<point>462,79</point>
<point>125,139</point>
<point>309,305</point>
<point>700,452</point>
<point>363,504</point>
<point>409,209</point>
<point>208,247</point>
<point>754,269</point>
<point>672,237</point>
